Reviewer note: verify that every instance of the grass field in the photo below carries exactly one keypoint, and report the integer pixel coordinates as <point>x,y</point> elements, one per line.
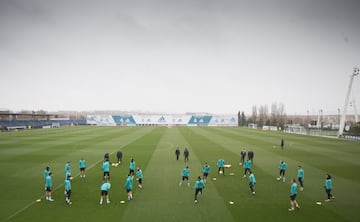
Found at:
<point>24,155</point>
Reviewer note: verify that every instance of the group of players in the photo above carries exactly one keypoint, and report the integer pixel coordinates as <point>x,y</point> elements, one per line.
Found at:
<point>185,173</point>
<point>105,186</point>
<point>247,165</point>
<point>67,182</point>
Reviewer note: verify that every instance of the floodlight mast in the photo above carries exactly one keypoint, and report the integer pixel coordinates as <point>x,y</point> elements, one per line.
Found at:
<point>343,116</point>
<point>355,110</point>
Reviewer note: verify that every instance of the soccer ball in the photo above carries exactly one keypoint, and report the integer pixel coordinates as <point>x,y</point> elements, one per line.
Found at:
<point>220,172</point>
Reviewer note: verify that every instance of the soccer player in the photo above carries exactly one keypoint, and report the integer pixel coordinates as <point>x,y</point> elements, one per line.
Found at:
<point>185,173</point>
<point>119,155</point>
<point>106,170</point>
<point>82,167</point>
<point>282,168</point>
<point>46,173</point>
<point>221,166</point>
<point>206,170</point>
<point>48,187</point>
<point>67,168</point>
<point>282,143</point>
<point>129,186</point>
<point>104,188</point>
<point>67,185</point>
<point>68,174</point>
<point>252,182</point>
<point>293,192</point>
<point>107,157</point>
<point>199,185</point>
<point>177,153</point>
<point>247,166</point>
<point>242,156</point>
<point>186,155</point>
<point>301,177</point>
<point>139,175</point>
<point>328,187</point>
<point>132,166</point>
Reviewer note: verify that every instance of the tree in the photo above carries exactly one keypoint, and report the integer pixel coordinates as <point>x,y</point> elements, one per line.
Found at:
<point>281,115</point>
<point>253,117</point>
<point>273,115</point>
<point>263,115</point>
<point>243,119</point>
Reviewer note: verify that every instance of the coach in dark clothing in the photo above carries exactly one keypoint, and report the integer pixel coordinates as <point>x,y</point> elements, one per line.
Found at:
<point>119,155</point>
<point>186,155</point>
<point>177,153</point>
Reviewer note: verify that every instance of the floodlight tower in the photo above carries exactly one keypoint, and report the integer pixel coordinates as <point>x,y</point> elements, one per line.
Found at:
<point>355,110</point>
<point>343,116</point>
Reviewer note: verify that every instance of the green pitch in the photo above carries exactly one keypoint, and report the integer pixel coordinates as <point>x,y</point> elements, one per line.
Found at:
<point>24,155</point>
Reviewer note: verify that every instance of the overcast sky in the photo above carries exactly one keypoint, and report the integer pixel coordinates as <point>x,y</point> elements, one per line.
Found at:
<point>177,56</point>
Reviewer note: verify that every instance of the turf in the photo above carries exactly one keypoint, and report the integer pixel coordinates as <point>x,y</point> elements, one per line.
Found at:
<point>24,155</point>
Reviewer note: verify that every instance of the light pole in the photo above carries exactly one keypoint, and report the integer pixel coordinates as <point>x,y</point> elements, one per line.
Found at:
<point>343,116</point>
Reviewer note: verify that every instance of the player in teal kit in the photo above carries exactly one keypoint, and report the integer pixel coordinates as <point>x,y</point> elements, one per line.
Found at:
<point>301,177</point>
<point>48,187</point>
<point>129,186</point>
<point>199,185</point>
<point>247,166</point>
<point>68,174</point>
<point>132,166</point>
<point>67,166</point>
<point>185,173</point>
<point>104,189</point>
<point>67,170</point>
<point>82,167</point>
<point>221,166</point>
<point>205,171</point>
<point>328,187</point>
<point>252,182</point>
<point>67,186</point>
<point>106,170</point>
<point>139,175</point>
<point>282,168</point>
<point>46,172</point>
<point>293,193</point>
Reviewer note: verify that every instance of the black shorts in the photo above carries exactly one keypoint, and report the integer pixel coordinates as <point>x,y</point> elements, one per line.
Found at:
<point>292,197</point>
<point>128,190</point>
<point>82,169</point>
<point>48,189</point>
<point>185,178</point>
<point>106,174</point>
<point>104,192</point>
<point>206,174</point>
<point>131,171</point>
<point>282,172</point>
<point>68,193</point>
